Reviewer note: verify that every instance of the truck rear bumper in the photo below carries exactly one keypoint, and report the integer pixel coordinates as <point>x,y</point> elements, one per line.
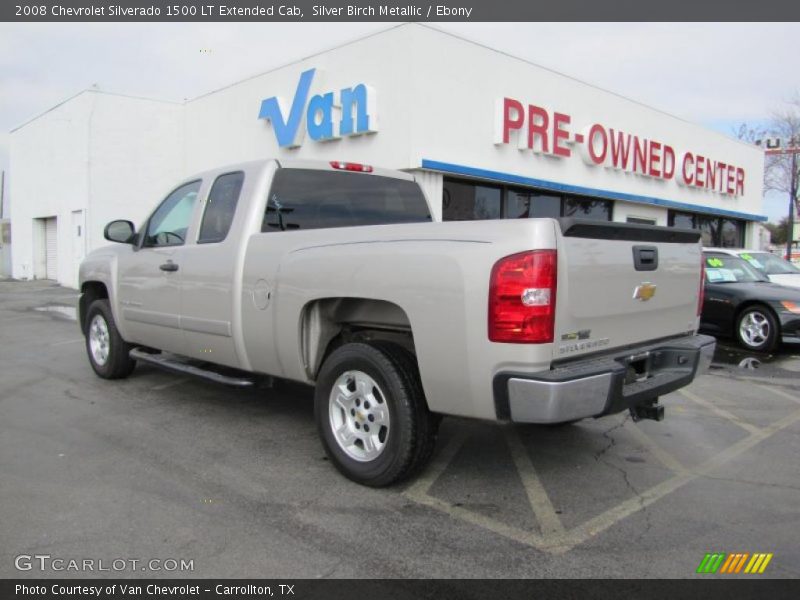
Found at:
<point>602,385</point>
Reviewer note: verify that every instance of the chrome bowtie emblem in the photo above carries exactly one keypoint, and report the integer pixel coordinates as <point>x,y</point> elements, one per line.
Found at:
<point>644,291</point>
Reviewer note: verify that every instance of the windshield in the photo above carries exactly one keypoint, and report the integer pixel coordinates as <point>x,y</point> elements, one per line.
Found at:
<point>769,263</point>
<point>721,268</point>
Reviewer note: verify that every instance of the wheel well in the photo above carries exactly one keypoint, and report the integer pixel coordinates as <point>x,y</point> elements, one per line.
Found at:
<point>90,291</point>
<point>328,323</point>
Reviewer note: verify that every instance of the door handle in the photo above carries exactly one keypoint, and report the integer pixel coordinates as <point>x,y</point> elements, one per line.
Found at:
<point>168,266</point>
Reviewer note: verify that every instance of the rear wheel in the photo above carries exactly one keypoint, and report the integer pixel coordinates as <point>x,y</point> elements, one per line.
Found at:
<point>757,329</point>
<point>371,413</point>
<point>107,351</point>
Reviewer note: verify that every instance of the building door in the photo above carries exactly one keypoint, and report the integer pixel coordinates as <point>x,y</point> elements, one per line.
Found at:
<point>78,243</point>
<point>51,248</point>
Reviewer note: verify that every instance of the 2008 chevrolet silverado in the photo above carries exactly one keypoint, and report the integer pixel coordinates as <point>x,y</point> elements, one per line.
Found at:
<point>333,274</point>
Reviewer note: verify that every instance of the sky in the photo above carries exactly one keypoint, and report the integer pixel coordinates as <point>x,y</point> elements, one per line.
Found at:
<point>714,74</point>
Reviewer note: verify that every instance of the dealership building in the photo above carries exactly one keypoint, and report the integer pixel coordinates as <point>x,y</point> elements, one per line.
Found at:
<point>487,135</point>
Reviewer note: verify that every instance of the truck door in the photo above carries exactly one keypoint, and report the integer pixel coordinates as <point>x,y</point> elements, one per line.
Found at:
<point>149,279</point>
<point>208,274</point>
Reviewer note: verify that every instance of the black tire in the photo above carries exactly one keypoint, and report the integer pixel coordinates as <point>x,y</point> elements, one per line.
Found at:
<point>118,364</point>
<point>411,437</point>
<point>761,318</point>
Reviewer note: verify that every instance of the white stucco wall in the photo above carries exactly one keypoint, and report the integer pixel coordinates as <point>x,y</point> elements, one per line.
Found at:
<point>111,156</point>
<point>49,166</point>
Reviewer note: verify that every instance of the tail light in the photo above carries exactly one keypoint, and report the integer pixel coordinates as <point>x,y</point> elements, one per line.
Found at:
<point>522,298</point>
<point>348,166</point>
<point>702,292</point>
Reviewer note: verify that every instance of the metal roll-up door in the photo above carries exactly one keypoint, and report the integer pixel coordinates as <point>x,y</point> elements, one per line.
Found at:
<point>51,247</point>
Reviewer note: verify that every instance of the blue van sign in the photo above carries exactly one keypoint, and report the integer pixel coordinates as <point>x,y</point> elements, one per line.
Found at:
<point>326,116</point>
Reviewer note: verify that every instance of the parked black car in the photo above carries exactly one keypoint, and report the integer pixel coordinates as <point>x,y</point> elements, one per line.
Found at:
<point>740,301</point>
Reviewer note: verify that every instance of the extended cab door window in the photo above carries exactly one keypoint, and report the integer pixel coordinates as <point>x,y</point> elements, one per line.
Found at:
<point>220,208</point>
<point>169,223</point>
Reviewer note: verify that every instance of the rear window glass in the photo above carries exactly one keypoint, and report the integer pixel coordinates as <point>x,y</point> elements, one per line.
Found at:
<point>313,199</point>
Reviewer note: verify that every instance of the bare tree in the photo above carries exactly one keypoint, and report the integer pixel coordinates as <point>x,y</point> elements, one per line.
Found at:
<point>784,124</point>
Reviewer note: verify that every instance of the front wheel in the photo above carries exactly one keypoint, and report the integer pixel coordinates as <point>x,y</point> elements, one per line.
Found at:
<point>371,413</point>
<point>107,351</point>
<point>757,329</point>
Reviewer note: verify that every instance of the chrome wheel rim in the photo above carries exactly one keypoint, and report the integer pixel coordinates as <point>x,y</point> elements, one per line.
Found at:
<point>754,329</point>
<point>359,416</point>
<point>99,343</point>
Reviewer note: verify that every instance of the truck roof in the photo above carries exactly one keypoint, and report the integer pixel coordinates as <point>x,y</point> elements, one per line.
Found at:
<point>321,165</point>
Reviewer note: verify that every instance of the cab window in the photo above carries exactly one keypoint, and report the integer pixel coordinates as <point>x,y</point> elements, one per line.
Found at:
<point>220,208</point>
<point>169,223</point>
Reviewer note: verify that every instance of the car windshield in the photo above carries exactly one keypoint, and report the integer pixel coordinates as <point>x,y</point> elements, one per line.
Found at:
<point>769,263</point>
<point>721,268</point>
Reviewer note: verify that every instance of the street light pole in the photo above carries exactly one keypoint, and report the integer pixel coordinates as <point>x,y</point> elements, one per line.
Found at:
<point>793,148</point>
<point>792,207</point>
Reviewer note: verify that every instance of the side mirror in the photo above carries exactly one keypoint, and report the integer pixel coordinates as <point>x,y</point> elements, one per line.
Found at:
<point>119,231</point>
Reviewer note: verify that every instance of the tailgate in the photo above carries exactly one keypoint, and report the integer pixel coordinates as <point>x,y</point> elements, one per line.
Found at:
<point>623,284</point>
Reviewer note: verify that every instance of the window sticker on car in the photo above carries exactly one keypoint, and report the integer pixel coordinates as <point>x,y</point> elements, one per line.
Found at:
<point>747,257</point>
<point>716,275</point>
<point>714,262</point>
<point>755,262</point>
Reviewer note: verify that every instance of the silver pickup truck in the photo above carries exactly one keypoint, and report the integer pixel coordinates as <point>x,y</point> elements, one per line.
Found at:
<point>334,275</point>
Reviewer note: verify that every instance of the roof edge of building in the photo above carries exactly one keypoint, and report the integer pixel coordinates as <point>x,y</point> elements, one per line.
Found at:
<point>90,90</point>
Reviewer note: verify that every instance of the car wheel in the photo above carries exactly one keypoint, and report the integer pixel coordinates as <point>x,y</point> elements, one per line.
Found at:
<point>371,413</point>
<point>108,352</point>
<point>757,329</point>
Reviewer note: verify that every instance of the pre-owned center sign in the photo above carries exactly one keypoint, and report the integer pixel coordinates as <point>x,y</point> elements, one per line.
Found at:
<point>549,132</point>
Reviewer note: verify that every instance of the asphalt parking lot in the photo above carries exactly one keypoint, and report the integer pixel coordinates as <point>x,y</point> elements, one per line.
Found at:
<point>163,466</point>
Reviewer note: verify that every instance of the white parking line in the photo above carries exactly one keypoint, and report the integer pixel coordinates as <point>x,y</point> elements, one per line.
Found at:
<point>549,523</point>
<point>720,412</point>
<point>664,457</point>
<point>437,466</point>
<point>65,342</point>
<point>557,541</point>
<point>781,393</point>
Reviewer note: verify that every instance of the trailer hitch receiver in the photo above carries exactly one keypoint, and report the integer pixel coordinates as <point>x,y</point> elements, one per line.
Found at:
<point>651,410</point>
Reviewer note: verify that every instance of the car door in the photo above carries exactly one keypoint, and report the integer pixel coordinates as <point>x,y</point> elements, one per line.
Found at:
<point>208,269</point>
<point>149,278</point>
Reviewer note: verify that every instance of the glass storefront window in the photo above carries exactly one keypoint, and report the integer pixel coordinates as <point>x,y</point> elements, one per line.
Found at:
<point>465,201</point>
<point>732,233</point>
<point>524,204</point>
<point>681,220</point>
<point>717,231</point>
<point>709,226</point>
<point>583,208</point>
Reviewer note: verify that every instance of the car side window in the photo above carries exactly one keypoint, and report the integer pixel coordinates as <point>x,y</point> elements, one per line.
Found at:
<point>220,208</point>
<point>169,223</point>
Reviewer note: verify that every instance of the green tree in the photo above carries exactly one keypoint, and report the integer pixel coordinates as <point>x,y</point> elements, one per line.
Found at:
<point>778,231</point>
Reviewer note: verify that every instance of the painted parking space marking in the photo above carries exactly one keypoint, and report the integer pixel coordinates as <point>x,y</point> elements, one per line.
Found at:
<point>554,538</point>
<point>549,523</point>
<point>66,342</point>
<point>721,412</point>
<point>781,393</point>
